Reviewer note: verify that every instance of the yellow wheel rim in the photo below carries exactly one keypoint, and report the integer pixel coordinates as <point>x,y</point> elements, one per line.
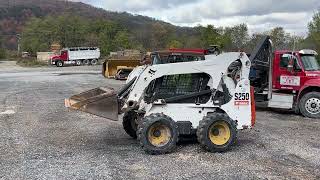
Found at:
<point>219,133</point>
<point>159,135</point>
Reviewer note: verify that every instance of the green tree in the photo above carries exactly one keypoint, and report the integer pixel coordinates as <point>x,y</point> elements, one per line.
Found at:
<point>192,42</point>
<point>106,32</point>
<point>122,41</point>
<point>295,42</point>
<point>210,36</point>
<point>175,44</point>
<point>159,36</point>
<point>314,31</point>
<point>3,52</point>
<point>239,36</point>
<point>73,31</point>
<point>36,36</point>
<point>279,37</point>
<point>254,40</point>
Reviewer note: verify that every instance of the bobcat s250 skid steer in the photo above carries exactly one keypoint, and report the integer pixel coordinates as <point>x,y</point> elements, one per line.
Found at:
<point>211,99</point>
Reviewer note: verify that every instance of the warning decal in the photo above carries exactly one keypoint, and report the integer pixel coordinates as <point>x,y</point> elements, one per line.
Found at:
<point>241,103</point>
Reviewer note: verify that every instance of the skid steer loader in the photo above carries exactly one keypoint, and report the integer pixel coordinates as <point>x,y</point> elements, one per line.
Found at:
<point>211,99</point>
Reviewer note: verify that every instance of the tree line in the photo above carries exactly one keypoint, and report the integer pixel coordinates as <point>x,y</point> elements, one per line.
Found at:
<point>71,31</point>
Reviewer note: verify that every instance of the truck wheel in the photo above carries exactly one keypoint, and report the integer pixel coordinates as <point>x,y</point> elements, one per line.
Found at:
<point>129,123</point>
<point>59,64</point>
<point>310,105</point>
<point>78,62</point>
<point>94,62</point>
<point>217,132</point>
<point>157,134</point>
<point>86,62</point>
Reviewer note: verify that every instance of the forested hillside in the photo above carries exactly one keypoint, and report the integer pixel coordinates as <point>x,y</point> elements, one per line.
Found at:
<point>38,23</point>
<point>15,13</point>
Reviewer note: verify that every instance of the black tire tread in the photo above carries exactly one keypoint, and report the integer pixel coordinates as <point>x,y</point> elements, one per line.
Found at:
<point>77,62</point>
<point>58,62</point>
<point>94,60</point>
<point>207,121</point>
<point>148,121</point>
<point>127,125</point>
<point>302,101</point>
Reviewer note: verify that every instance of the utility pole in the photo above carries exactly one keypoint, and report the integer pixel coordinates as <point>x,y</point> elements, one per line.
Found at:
<point>18,44</point>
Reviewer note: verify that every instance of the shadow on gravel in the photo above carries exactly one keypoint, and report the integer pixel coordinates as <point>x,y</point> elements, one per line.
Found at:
<point>107,143</point>
<point>277,111</point>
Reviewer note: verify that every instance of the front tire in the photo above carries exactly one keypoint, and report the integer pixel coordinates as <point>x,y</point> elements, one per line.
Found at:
<point>59,64</point>
<point>157,134</point>
<point>130,124</point>
<point>309,105</point>
<point>217,132</point>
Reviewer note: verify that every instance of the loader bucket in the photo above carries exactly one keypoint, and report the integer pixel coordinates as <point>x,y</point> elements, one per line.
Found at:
<point>102,102</point>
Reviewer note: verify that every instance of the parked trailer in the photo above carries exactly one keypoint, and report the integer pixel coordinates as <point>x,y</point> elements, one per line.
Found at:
<point>77,56</point>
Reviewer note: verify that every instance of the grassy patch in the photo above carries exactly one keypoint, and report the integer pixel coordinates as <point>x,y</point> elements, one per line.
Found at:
<point>3,54</point>
<point>30,62</point>
<point>9,56</point>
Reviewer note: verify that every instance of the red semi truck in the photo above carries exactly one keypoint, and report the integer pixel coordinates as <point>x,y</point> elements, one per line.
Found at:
<point>286,79</point>
<point>77,56</point>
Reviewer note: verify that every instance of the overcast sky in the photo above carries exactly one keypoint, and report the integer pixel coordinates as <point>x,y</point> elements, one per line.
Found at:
<point>259,15</point>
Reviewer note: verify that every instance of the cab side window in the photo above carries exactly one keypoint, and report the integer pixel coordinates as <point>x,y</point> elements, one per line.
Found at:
<point>284,61</point>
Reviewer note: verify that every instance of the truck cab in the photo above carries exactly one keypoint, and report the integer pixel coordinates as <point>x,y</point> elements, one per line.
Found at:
<point>297,74</point>
<point>286,79</point>
<point>292,70</point>
<point>60,58</point>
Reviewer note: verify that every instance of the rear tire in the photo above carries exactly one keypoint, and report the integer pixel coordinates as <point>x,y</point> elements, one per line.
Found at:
<point>217,132</point>
<point>157,134</point>
<point>94,62</point>
<point>86,62</point>
<point>78,62</point>
<point>59,64</point>
<point>129,123</point>
<point>309,105</point>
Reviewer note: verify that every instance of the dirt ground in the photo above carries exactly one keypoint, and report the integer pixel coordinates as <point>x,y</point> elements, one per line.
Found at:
<point>41,139</point>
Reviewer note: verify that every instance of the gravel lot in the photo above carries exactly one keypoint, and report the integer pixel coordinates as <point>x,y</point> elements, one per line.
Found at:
<point>41,139</point>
